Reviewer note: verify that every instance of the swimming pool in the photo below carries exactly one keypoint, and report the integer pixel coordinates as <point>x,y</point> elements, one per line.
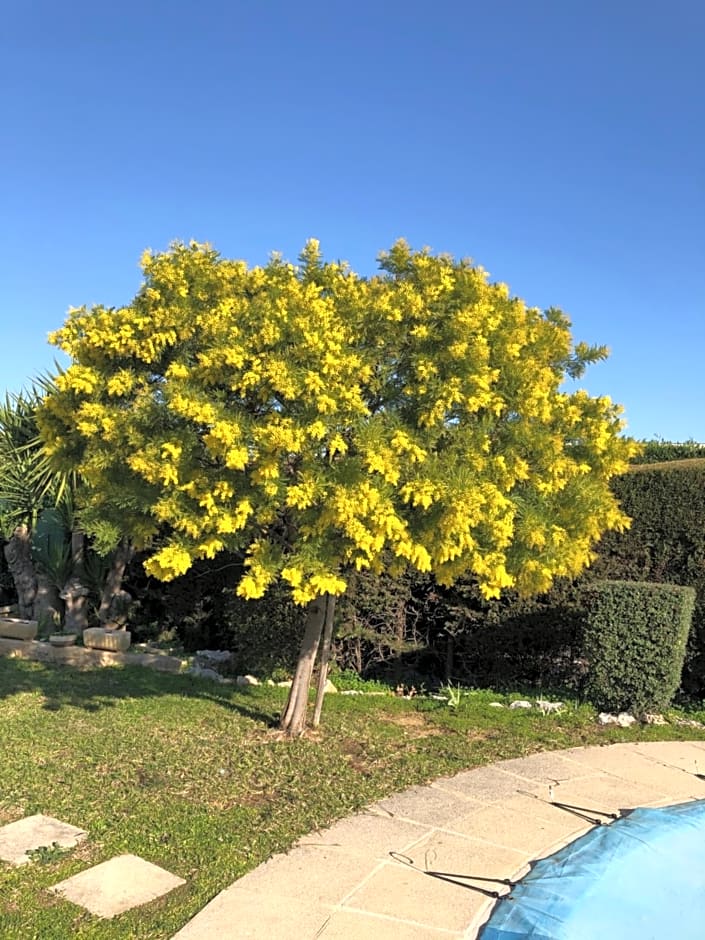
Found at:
<point>640,877</point>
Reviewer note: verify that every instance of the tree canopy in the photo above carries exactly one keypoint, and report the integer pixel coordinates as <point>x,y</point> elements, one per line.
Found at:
<point>317,420</point>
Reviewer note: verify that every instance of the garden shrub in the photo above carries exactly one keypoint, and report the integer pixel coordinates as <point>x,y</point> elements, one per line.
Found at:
<point>635,642</point>
<point>191,608</point>
<point>511,641</point>
<point>665,543</point>
<point>264,635</point>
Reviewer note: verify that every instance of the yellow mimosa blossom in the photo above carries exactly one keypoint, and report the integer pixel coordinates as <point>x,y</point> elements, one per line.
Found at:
<point>316,421</point>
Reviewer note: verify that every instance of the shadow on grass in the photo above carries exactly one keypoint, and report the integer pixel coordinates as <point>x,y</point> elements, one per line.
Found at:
<point>95,689</point>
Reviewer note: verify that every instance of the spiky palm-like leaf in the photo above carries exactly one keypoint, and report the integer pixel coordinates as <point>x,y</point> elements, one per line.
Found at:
<point>28,482</point>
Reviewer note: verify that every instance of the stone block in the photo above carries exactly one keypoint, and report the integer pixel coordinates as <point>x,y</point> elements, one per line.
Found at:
<point>97,638</point>
<point>118,885</point>
<point>16,629</point>
<point>35,832</point>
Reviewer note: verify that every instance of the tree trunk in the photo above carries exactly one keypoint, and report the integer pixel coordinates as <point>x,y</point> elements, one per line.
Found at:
<point>78,545</point>
<point>324,657</point>
<point>293,719</point>
<point>450,649</point>
<point>113,581</point>
<point>18,553</point>
<point>75,592</point>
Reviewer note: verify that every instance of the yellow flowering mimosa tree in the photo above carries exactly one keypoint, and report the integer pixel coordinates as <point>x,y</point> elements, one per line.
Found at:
<point>318,421</point>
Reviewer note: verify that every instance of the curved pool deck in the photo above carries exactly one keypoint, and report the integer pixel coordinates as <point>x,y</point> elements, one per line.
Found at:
<point>423,864</point>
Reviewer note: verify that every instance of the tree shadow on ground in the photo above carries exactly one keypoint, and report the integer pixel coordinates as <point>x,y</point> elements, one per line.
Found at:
<point>95,689</point>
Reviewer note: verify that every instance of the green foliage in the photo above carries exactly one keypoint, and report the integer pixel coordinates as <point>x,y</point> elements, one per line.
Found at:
<point>511,641</point>
<point>48,854</point>
<point>27,483</point>
<point>190,608</point>
<point>378,624</point>
<point>635,642</point>
<point>665,543</point>
<point>320,422</point>
<point>263,634</point>
<point>51,547</point>
<point>8,594</point>
<point>539,639</point>
<point>658,451</point>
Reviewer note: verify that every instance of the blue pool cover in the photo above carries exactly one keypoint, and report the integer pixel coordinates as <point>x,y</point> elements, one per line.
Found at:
<point>641,877</point>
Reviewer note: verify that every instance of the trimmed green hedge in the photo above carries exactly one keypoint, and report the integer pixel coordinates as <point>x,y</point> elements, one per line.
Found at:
<point>666,543</point>
<point>635,642</point>
<point>661,451</point>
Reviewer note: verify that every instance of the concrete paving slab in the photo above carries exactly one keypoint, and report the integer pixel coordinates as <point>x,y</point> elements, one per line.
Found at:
<point>524,832</point>
<point>430,806</point>
<point>484,784</point>
<point>429,902</point>
<point>684,760</point>
<point>36,832</point>
<point>117,885</point>
<point>545,767</point>
<point>358,925</point>
<point>470,857</point>
<point>688,756</point>
<point>531,804</point>
<point>325,874</point>
<point>237,914</point>
<point>637,766</point>
<point>605,793</point>
<point>367,833</point>
<point>466,872</point>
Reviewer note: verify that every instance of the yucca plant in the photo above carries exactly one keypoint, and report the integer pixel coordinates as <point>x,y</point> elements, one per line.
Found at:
<point>30,488</point>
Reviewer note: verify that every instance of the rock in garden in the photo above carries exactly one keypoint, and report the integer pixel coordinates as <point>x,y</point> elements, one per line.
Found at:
<point>549,708</point>
<point>496,705</point>
<point>246,680</point>
<point>203,672</point>
<point>654,720</point>
<point>520,703</point>
<point>215,656</point>
<point>624,719</point>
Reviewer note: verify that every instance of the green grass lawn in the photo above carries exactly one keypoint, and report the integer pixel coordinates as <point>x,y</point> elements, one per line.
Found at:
<point>194,777</point>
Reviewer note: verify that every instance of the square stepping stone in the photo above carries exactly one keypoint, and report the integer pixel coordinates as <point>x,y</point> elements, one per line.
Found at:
<point>117,885</point>
<point>36,832</point>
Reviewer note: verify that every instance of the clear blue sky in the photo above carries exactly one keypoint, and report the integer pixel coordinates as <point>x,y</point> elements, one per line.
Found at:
<point>559,144</point>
